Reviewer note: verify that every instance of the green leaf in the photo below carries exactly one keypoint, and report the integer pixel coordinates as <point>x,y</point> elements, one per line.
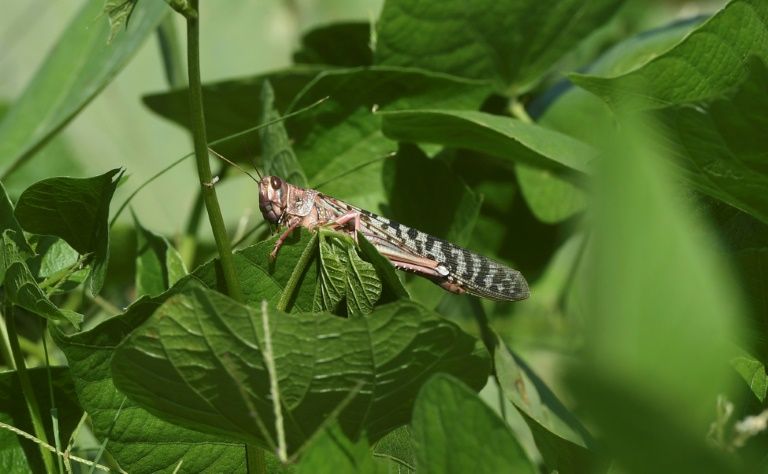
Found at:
<point>657,295</point>
<point>449,213</point>
<point>22,289</point>
<point>231,107</point>
<point>337,44</point>
<point>74,72</point>
<point>510,42</point>
<point>158,265</point>
<point>753,373</point>
<point>701,67</point>
<point>138,441</point>
<point>550,197</point>
<point>502,137</point>
<point>19,454</point>
<point>53,206</point>
<point>339,143</point>
<point>277,156</point>
<point>332,452</point>
<point>562,441</point>
<point>397,450</point>
<point>197,362</point>
<point>450,421</point>
<point>8,221</point>
<point>721,145</point>
<point>119,14</point>
<point>344,276</point>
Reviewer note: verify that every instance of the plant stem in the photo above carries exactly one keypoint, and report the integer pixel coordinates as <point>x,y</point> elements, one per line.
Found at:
<point>197,118</point>
<point>26,388</point>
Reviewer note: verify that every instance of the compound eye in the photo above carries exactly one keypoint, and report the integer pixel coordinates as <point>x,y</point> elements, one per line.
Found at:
<point>276,182</point>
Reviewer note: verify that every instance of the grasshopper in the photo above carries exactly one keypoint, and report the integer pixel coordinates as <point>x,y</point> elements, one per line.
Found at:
<point>454,268</point>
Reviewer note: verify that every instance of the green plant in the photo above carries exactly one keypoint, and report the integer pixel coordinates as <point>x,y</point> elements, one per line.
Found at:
<point>631,194</point>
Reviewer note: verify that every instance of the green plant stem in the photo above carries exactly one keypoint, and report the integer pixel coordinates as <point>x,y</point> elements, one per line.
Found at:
<point>54,409</point>
<point>26,388</point>
<point>197,119</point>
<point>5,346</point>
<point>298,271</point>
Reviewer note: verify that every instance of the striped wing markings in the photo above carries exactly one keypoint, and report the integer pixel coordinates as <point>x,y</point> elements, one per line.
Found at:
<point>477,274</point>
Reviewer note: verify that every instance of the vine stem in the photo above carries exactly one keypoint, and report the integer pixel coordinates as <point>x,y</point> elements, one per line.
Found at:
<point>26,387</point>
<point>197,118</point>
<point>254,454</point>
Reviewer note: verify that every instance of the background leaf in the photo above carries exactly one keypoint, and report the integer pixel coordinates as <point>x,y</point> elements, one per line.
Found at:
<point>510,42</point>
<point>320,359</point>
<point>498,136</point>
<point>80,65</point>
<point>52,206</point>
<point>449,419</point>
<point>158,265</point>
<point>139,441</point>
<point>701,67</point>
<point>338,44</point>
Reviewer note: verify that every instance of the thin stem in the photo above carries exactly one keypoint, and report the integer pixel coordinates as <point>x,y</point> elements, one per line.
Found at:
<point>519,112</point>
<point>197,119</point>
<point>54,409</point>
<point>298,271</point>
<point>5,346</point>
<point>26,388</point>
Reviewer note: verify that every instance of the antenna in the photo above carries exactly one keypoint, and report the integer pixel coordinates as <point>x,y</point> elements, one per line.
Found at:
<point>219,156</point>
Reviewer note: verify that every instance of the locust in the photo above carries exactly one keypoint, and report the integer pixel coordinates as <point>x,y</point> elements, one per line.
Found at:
<point>454,268</point>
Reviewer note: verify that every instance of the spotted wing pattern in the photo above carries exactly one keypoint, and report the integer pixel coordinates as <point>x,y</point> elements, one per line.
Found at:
<point>476,274</point>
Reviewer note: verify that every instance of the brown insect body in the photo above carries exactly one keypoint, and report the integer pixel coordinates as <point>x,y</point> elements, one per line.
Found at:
<point>454,268</point>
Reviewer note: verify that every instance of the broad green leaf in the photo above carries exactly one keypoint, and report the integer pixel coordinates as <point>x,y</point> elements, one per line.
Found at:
<point>277,156</point>
<point>550,197</point>
<point>21,288</point>
<point>78,67</point>
<point>363,287</point>
<point>339,143</point>
<point>510,42</point>
<point>499,136</point>
<point>53,206</point>
<point>450,421</point>
<point>232,106</point>
<point>658,293</point>
<point>753,373</point>
<point>138,441</point>
<point>158,265</point>
<point>721,145</point>
<point>397,450</point>
<point>707,63</point>
<point>18,454</point>
<point>197,361</point>
<point>57,265</point>
<point>564,109</point>
<point>426,194</point>
<point>344,276</point>
<point>562,441</point>
<point>337,44</point>
<point>333,453</point>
